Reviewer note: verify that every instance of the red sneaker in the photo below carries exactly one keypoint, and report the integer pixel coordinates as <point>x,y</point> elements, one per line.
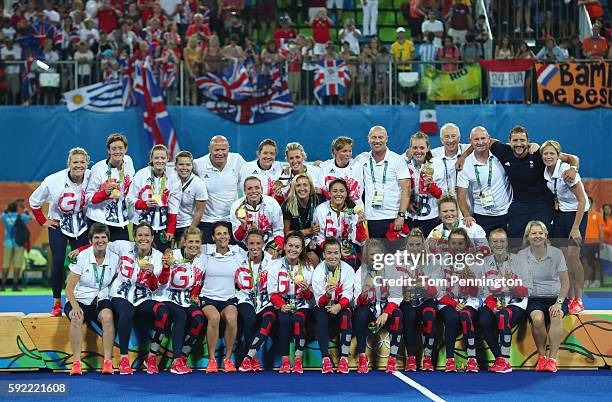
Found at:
<point>56,311</point>
<point>107,367</point>
<point>499,366</point>
<point>541,363</point>
<point>285,367</point>
<point>343,366</point>
<point>363,364</point>
<point>450,366</point>
<point>391,365</point>
<point>472,366</point>
<point>246,365</point>
<point>212,366</point>
<point>427,364</point>
<point>179,367</point>
<point>410,364</point>
<point>76,368</point>
<point>577,307</point>
<point>255,364</point>
<point>327,366</point>
<point>551,365</point>
<point>151,365</point>
<point>184,363</point>
<point>297,365</point>
<point>507,367</point>
<point>124,367</point>
<point>228,366</point>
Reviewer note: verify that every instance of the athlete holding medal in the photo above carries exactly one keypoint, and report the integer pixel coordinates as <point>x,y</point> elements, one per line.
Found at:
<point>108,187</point>
<point>332,283</point>
<point>155,195</point>
<point>288,285</point>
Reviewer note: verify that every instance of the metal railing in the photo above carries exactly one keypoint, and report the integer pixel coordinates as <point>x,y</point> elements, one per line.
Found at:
<point>382,82</point>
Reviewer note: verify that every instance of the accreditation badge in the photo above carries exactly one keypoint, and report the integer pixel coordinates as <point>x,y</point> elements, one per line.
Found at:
<point>486,199</point>
<point>377,199</point>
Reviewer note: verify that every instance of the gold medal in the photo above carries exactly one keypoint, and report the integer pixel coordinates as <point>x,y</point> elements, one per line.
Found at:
<point>358,209</point>
<point>241,213</point>
<point>157,198</point>
<point>298,279</point>
<point>436,234</point>
<point>116,193</point>
<point>143,261</point>
<point>429,171</point>
<point>278,184</point>
<point>332,281</point>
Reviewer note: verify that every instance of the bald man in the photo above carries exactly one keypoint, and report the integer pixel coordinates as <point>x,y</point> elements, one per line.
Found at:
<point>220,171</point>
<point>387,185</point>
<point>484,177</point>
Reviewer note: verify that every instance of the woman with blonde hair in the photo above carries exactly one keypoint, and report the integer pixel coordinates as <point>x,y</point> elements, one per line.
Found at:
<point>192,55</point>
<point>547,298</point>
<point>296,157</point>
<point>64,191</point>
<point>569,219</point>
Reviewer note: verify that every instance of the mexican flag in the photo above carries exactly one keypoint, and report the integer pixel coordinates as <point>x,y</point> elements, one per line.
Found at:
<point>428,122</point>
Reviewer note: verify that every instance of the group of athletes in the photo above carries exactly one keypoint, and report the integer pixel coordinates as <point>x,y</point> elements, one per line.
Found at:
<point>301,247</point>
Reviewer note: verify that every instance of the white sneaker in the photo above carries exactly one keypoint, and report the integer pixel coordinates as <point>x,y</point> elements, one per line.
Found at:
<point>528,30</point>
<point>596,283</point>
<point>587,284</point>
<point>517,30</point>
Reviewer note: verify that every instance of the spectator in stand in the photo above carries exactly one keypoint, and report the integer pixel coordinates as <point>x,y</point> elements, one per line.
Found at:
<point>523,13</point>
<point>213,57</point>
<point>593,240</point>
<point>338,5</point>
<point>459,21</point>
<point>370,17</point>
<point>107,15</point>
<point>294,68</point>
<point>11,52</point>
<point>320,25</point>
<point>85,59</point>
<point>523,52</point>
<point>267,17</point>
<point>383,61</point>
<point>126,37</point>
<point>171,33</point>
<point>351,35</point>
<point>249,16</point>
<point>564,46</point>
<point>365,70</point>
<point>550,53</point>
<point>158,13</point>
<point>595,46</point>
<point>471,51</point>
<point>504,50</point>
<point>479,30</point>
<point>233,50</point>
<point>227,8</point>
<point>449,54</point>
<point>134,15</point>
<point>192,56</point>
<point>88,33</point>
<point>418,13</point>
<point>199,28</point>
<point>308,68</point>
<point>171,9</point>
<point>170,62</point>
<point>237,28</point>
<point>434,25</point>
<point>285,33</point>
<point>12,253</point>
<point>145,8</point>
<point>427,51</point>
<point>402,51</point>
<point>7,28</point>
<point>270,57</point>
<point>350,59</point>
<point>42,30</point>
<point>575,48</point>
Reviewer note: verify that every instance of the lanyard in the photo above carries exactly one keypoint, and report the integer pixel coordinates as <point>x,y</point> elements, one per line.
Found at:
<point>253,281</point>
<point>448,186</point>
<point>505,273</point>
<point>309,208</point>
<point>455,225</point>
<point>290,269</point>
<point>384,178</point>
<point>187,184</point>
<point>335,275</point>
<point>121,172</point>
<point>556,196</point>
<point>98,279</point>
<point>162,184</point>
<point>477,173</point>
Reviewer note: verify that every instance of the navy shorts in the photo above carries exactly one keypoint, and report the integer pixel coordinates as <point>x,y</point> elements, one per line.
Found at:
<point>90,312</point>
<point>220,305</point>
<point>562,226</point>
<point>543,304</point>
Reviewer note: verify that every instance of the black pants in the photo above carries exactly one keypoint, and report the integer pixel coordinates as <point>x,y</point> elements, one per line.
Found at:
<point>247,326</point>
<point>452,318</point>
<point>425,314</point>
<point>363,316</point>
<point>182,318</point>
<point>426,226</point>
<point>489,223</point>
<point>343,320</point>
<point>124,313</point>
<point>378,229</point>
<point>496,329</point>
<point>58,242</point>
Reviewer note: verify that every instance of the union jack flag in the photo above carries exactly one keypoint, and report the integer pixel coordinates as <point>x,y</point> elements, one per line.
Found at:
<point>155,118</point>
<point>168,75</point>
<point>29,83</point>
<point>331,78</point>
<point>233,95</point>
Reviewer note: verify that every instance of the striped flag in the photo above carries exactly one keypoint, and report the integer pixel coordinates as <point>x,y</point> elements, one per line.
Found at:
<point>155,118</point>
<point>331,78</point>
<point>546,72</point>
<point>428,120</point>
<point>233,96</point>
<point>29,83</point>
<point>168,75</point>
<point>101,97</point>
<point>507,78</point>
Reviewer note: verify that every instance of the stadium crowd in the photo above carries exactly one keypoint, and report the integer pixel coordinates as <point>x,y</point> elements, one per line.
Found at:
<point>303,245</point>
<point>103,36</point>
